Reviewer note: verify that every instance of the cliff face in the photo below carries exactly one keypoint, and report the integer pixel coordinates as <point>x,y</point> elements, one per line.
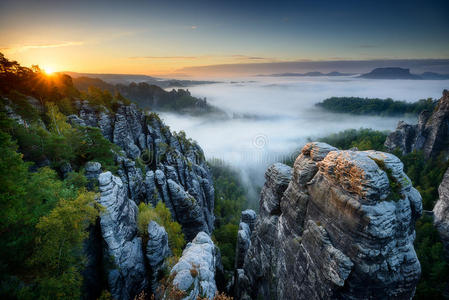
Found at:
<point>431,134</point>
<point>173,168</point>
<point>441,211</point>
<point>341,227</point>
<point>155,165</point>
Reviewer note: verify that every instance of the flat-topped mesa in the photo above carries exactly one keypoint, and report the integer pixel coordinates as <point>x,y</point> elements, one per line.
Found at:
<point>431,134</point>
<point>345,229</point>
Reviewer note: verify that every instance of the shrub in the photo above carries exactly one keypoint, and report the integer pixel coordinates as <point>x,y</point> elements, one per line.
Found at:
<point>161,215</point>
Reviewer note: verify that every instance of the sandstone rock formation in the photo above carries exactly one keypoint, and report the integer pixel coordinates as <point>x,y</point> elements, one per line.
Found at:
<point>157,251</point>
<point>171,167</point>
<point>441,211</point>
<point>126,271</point>
<point>246,226</point>
<point>342,228</point>
<point>194,274</point>
<point>431,134</point>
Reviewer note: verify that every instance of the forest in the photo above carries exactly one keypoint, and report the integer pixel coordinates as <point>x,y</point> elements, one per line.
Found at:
<point>376,106</point>
<point>150,96</point>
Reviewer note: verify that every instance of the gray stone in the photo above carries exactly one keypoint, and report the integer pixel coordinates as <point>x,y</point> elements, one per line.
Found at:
<point>194,273</point>
<point>430,134</point>
<point>336,234</point>
<point>157,251</point>
<point>127,273</point>
<point>441,211</point>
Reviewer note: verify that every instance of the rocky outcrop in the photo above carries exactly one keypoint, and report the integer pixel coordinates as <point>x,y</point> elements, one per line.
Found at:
<point>93,170</point>
<point>246,226</point>
<point>441,211</point>
<point>157,251</point>
<point>194,274</point>
<point>342,228</point>
<point>431,134</point>
<point>155,164</point>
<point>126,272</point>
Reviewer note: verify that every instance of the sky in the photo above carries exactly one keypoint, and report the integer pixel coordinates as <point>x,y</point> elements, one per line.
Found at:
<point>194,38</point>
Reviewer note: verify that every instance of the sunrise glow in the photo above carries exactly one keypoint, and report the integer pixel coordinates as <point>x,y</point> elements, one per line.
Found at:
<point>48,70</point>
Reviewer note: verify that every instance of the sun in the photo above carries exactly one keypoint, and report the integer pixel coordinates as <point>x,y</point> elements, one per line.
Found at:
<point>48,70</point>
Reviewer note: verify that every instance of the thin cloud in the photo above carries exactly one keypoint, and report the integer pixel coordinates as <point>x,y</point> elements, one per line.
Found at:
<point>164,57</point>
<point>41,46</point>
<point>235,57</point>
<point>239,56</point>
<point>194,27</point>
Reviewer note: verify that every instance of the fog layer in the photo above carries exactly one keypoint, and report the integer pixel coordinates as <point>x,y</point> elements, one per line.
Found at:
<point>273,117</point>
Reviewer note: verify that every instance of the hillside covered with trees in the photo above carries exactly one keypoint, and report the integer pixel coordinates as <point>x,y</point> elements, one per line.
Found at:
<point>375,106</point>
<point>151,96</point>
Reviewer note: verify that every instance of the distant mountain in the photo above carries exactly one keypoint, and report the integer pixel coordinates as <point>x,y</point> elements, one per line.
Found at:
<point>435,76</point>
<point>128,78</point>
<point>311,74</point>
<point>401,73</point>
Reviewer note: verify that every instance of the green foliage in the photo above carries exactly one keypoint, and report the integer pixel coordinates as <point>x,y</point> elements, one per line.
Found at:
<point>431,254</point>
<point>375,106</point>
<point>230,200</point>
<point>58,254</point>
<point>226,237</point>
<point>64,143</point>
<point>161,215</point>
<point>395,185</point>
<point>363,139</point>
<point>42,227</point>
<point>426,174</point>
<point>98,97</point>
<point>22,106</point>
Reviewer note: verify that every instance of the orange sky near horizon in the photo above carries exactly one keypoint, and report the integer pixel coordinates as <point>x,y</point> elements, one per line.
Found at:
<point>170,38</point>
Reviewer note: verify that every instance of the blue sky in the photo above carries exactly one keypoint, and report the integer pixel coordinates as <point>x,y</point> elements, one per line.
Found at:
<point>169,36</point>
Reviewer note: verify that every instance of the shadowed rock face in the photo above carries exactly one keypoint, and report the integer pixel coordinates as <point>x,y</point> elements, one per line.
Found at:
<point>441,211</point>
<point>123,248</point>
<point>174,167</point>
<point>344,229</point>
<point>156,252</point>
<point>172,170</point>
<point>431,134</point>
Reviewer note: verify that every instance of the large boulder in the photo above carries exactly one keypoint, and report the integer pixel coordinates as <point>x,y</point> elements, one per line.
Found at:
<point>344,230</point>
<point>194,274</point>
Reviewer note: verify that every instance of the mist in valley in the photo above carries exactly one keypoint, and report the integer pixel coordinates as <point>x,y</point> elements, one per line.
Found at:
<point>270,119</point>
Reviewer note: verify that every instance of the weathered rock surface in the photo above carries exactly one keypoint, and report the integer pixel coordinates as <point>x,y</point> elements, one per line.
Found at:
<point>123,248</point>
<point>157,251</point>
<point>441,211</point>
<point>344,229</point>
<point>172,168</point>
<point>246,226</point>
<point>431,134</point>
<point>194,273</point>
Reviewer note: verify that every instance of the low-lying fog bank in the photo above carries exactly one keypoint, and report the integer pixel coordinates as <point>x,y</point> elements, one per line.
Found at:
<point>283,116</point>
